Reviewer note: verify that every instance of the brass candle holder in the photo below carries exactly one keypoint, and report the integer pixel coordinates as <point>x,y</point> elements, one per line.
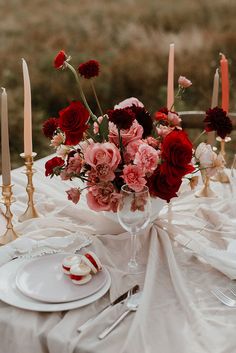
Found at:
<point>30,211</point>
<point>206,190</point>
<point>7,199</point>
<point>221,176</point>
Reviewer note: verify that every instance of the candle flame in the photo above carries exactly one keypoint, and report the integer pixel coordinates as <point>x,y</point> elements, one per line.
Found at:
<point>222,56</point>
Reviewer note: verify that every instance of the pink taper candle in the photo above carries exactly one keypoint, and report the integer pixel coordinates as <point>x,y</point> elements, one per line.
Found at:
<point>170,81</point>
<point>6,164</point>
<point>214,103</point>
<point>224,82</point>
<point>27,111</point>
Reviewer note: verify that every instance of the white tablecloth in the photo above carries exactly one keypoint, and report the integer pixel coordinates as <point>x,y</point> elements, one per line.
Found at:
<point>178,313</point>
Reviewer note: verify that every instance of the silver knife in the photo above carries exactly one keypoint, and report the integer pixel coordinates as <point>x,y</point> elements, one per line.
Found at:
<point>122,297</point>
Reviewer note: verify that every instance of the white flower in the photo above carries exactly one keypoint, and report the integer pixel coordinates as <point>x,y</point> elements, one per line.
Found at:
<point>62,151</point>
<point>208,159</point>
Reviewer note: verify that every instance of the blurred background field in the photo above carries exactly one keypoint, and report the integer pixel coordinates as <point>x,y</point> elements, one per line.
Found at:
<point>129,38</point>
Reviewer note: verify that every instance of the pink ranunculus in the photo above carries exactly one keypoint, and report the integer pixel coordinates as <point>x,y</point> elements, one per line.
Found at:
<point>57,140</point>
<point>99,196</point>
<point>134,177</point>
<point>134,133</point>
<point>146,158</point>
<point>174,118</point>
<point>102,153</point>
<point>75,164</point>
<point>184,82</point>
<point>104,172</point>
<point>151,141</point>
<point>128,103</point>
<point>163,131</point>
<point>73,195</point>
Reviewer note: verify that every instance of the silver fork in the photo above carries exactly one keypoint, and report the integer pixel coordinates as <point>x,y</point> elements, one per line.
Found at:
<point>223,298</point>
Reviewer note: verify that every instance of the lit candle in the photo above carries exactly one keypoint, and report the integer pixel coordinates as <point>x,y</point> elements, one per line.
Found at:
<point>224,82</point>
<point>27,111</point>
<point>214,103</point>
<point>6,164</point>
<point>170,81</point>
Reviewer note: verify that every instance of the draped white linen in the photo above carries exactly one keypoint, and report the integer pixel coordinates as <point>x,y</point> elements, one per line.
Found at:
<point>178,313</point>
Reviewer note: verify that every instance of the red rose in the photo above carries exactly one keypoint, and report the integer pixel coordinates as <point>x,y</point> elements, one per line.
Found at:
<point>73,121</point>
<point>49,127</point>
<point>89,69</point>
<point>55,162</point>
<point>177,149</point>
<point>158,186</point>
<point>60,59</point>
<point>173,173</point>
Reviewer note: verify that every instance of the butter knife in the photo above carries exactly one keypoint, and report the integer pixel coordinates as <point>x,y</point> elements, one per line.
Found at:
<point>122,297</point>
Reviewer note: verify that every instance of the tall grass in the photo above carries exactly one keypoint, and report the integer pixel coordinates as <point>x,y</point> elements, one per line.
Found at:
<point>130,38</point>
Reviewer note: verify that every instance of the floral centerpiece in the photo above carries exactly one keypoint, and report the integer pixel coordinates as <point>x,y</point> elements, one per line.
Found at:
<point>124,145</point>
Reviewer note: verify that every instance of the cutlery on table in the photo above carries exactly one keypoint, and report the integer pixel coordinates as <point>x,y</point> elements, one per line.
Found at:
<point>223,298</point>
<point>132,305</point>
<point>121,298</point>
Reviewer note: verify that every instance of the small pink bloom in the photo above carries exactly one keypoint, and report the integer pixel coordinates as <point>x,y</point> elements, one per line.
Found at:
<point>100,196</point>
<point>151,141</point>
<point>102,153</point>
<point>128,103</point>
<point>75,164</point>
<point>134,133</point>
<point>146,158</point>
<point>73,195</point>
<point>64,175</point>
<point>63,151</point>
<point>95,125</point>
<point>132,147</point>
<point>184,82</point>
<point>57,140</point>
<point>134,177</point>
<point>163,131</point>
<point>174,118</point>
<point>104,172</point>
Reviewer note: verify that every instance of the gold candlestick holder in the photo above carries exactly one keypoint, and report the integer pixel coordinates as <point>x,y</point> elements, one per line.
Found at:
<point>7,199</point>
<point>206,190</point>
<point>221,176</point>
<point>30,211</point>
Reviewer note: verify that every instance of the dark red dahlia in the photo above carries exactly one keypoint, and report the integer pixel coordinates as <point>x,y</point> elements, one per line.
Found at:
<point>144,118</point>
<point>122,118</point>
<point>50,126</point>
<point>53,166</point>
<point>217,120</point>
<point>60,60</point>
<point>89,69</point>
<point>73,121</point>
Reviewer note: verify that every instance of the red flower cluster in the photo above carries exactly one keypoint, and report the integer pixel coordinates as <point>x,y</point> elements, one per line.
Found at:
<point>49,127</point>
<point>73,121</point>
<point>53,166</point>
<point>144,119</point>
<point>217,120</point>
<point>122,118</point>
<point>60,59</point>
<point>176,155</point>
<point>89,69</point>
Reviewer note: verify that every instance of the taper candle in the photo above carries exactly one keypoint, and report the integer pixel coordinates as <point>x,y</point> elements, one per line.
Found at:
<point>224,82</point>
<point>6,164</point>
<point>170,80</point>
<point>215,92</point>
<point>27,111</point>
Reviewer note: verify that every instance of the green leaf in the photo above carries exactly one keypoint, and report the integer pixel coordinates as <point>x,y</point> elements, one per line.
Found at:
<point>103,128</point>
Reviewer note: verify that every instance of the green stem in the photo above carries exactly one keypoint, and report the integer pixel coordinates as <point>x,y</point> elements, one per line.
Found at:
<point>198,137</point>
<point>96,97</point>
<point>81,91</point>
<point>121,146</point>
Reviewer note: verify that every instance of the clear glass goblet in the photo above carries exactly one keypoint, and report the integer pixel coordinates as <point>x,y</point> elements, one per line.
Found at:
<point>134,213</point>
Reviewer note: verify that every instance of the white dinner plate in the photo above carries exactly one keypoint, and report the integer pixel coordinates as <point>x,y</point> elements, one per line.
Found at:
<point>10,294</point>
<point>43,279</point>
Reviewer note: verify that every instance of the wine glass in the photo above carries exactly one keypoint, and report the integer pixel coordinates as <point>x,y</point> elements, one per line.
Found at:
<point>134,212</point>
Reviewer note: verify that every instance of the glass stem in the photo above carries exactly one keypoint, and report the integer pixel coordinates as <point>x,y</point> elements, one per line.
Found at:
<point>132,261</point>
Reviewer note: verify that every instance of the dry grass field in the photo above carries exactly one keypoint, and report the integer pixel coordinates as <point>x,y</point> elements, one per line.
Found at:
<point>131,41</point>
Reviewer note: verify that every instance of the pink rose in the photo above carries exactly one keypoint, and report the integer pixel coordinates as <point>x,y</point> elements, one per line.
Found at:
<point>57,140</point>
<point>73,195</point>
<point>146,158</point>
<point>174,118</point>
<point>100,196</point>
<point>75,164</point>
<point>134,133</point>
<point>104,172</point>
<point>134,177</point>
<point>128,103</point>
<point>102,153</point>
<point>184,82</point>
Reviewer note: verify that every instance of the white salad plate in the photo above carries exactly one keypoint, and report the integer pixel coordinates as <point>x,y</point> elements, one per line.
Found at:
<point>43,279</point>
<point>10,294</point>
